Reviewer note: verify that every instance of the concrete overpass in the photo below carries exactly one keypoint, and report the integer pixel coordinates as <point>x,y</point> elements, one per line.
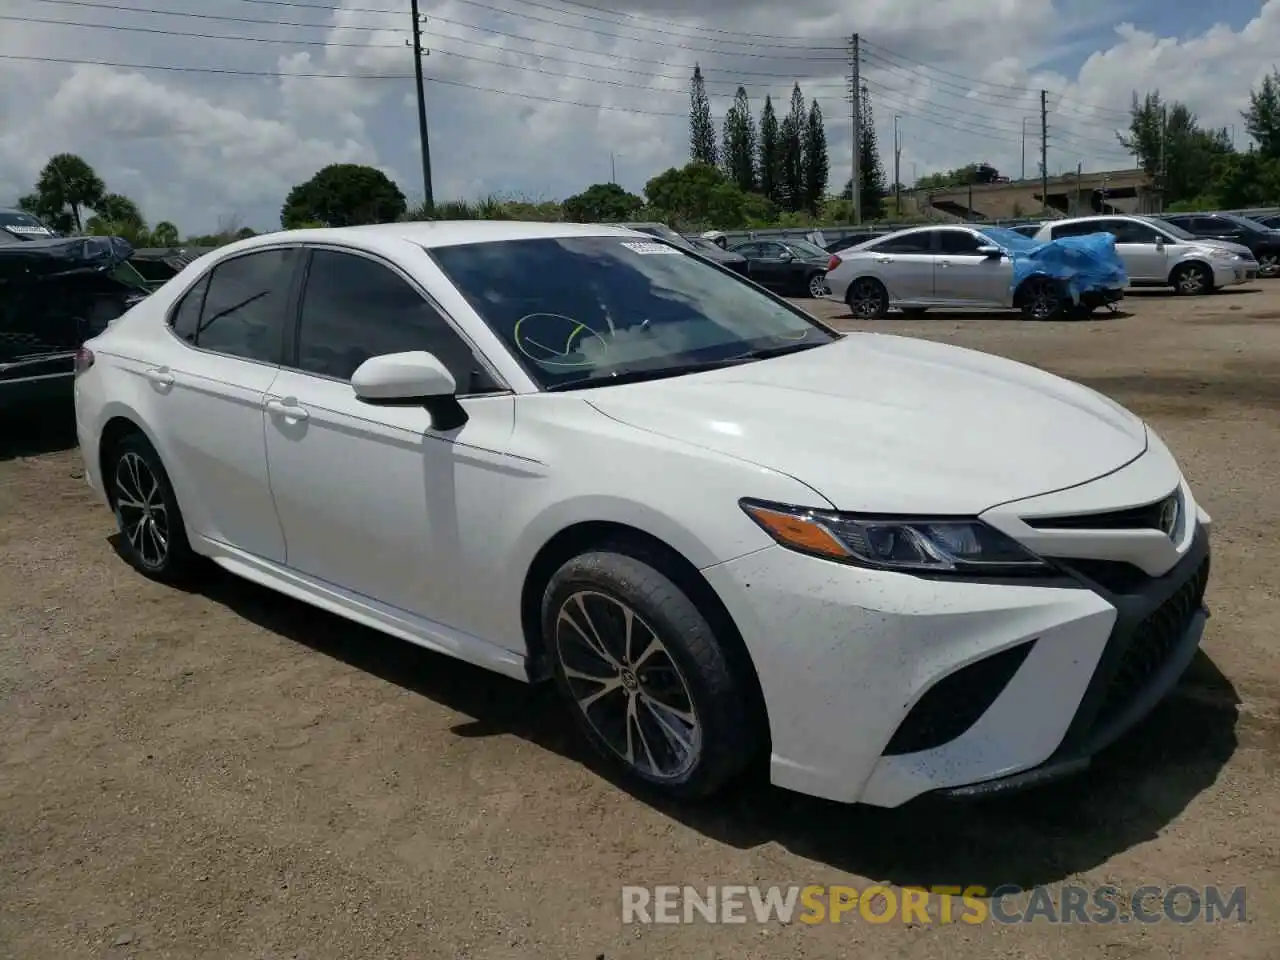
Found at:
<point>1108,191</point>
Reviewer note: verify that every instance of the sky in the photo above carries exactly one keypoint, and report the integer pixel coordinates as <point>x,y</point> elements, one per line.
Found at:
<point>538,99</point>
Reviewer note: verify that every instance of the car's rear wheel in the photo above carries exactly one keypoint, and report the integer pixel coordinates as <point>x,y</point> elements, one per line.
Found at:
<point>1192,279</point>
<point>1268,265</point>
<point>153,535</point>
<point>867,299</point>
<point>818,286</point>
<point>644,675</point>
<point>1042,298</point>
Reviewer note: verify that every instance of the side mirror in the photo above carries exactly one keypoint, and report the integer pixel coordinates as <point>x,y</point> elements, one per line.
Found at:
<point>1159,242</point>
<point>993,253</point>
<point>786,256</point>
<point>416,378</point>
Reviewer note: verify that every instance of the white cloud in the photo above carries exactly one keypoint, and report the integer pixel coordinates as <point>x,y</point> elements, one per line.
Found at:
<point>198,147</point>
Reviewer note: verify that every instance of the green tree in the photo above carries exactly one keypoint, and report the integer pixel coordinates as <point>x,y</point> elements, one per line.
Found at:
<point>871,168</point>
<point>65,187</point>
<point>792,149</point>
<point>696,195</point>
<point>343,195</point>
<point>769,161</point>
<point>1171,146</point>
<point>959,177</point>
<point>1262,119</point>
<point>165,234</point>
<point>739,153</point>
<point>817,165</point>
<point>702,132</point>
<point>602,203</point>
<point>118,209</point>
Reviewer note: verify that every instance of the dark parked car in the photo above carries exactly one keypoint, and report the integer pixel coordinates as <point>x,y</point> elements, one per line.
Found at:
<point>55,293</point>
<point>18,225</point>
<point>789,266</point>
<point>1271,220</point>
<point>1263,241</point>
<point>706,248</point>
<point>853,239</point>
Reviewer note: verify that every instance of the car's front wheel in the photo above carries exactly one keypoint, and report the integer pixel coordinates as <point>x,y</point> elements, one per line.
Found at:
<point>645,676</point>
<point>153,535</point>
<point>1192,279</point>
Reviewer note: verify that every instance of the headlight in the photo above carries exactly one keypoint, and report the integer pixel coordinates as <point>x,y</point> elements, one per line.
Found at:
<point>915,544</point>
<point>1216,253</point>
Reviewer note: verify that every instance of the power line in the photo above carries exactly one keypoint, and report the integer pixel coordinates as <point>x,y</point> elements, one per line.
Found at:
<point>199,36</point>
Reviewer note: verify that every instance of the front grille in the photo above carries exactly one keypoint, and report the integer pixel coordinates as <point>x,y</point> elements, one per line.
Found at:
<point>956,702</point>
<point>1151,645</point>
<point>1149,516</point>
<point>1113,576</point>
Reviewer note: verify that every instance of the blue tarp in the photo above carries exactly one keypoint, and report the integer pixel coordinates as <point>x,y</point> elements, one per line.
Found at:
<point>1083,263</point>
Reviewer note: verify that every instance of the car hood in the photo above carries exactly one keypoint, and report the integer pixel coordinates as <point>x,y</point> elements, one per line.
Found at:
<point>1239,248</point>
<point>890,424</point>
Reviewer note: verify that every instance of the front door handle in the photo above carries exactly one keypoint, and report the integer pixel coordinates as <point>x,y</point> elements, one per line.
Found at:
<point>944,263</point>
<point>160,376</point>
<point>283,408</point>
<point>884,259</point>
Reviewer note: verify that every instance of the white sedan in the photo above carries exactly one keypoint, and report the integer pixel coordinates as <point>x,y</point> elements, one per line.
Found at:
<point>726,531</point>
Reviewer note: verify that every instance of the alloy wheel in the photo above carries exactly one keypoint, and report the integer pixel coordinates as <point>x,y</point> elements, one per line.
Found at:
<point>627,686</point>
<point>1044,302</point>
<point>144,517</point>
<point>818,286</point>
<point>1268,264</point>
<point>1191,281</point>
<point>865,299</point>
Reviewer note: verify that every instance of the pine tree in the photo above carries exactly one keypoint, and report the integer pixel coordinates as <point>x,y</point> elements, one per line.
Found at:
<point>1262,119</point>
<point>817,165</point>
<point>873,189</point>
<point>769,162</point>
<point>738,153</point>
<point>792,150</point>
<point>702,132</point>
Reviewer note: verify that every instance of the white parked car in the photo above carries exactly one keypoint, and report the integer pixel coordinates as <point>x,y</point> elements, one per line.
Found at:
<point>1157,253</point>
<point>727,531</point>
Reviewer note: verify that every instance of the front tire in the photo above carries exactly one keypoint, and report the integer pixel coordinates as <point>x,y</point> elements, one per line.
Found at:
<point>153,536</point>
<point>645,677</point>
<point>1192,280</point>
<point>1042,299</point>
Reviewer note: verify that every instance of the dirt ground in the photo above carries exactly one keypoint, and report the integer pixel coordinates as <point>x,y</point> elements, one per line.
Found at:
<point>231,774</point>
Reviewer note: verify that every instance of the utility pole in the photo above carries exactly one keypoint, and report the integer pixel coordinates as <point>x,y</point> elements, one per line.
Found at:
<point>1044,151</point>
<point>1024,149</point>
<point>855,95</point>
<point>1164,170</point>
<point>1079,188</point>
<point>418,53</point>
<point>897,161</point>
<point>613,168</point>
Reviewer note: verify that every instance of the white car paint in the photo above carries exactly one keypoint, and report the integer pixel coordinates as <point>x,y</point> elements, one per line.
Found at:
<point>289,480</point>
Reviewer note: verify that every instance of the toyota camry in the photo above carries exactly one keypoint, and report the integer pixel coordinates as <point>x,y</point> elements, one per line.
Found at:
<point>723,529</point>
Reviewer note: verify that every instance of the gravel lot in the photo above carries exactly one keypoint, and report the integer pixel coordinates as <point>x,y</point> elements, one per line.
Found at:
<point>232,774</point>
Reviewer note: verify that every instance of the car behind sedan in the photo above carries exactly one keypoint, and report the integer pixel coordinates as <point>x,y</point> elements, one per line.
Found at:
<point>794,267</point>
<point>725,531</point>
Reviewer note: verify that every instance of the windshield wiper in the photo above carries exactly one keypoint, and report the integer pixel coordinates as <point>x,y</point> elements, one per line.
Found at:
<point>657,373</point>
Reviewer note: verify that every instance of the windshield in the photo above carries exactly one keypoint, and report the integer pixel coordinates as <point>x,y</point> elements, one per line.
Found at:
<point>1009,239</point>
<point>582,310</point>
<point>807,249</point>
<point>1170,228</point>
<point>1244,222</point>
<point>662,231</point>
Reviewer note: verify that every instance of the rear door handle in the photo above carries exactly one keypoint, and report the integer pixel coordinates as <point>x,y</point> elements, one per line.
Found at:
<point>160,376</point>
<point>944,263</point>
<point>283,408</point>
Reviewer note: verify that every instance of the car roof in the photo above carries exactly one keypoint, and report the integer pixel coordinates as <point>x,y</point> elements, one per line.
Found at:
<point>429,234</point>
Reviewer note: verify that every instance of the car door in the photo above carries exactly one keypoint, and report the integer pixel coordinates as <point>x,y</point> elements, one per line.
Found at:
<point>966,277</point>
<point>773,265</point>
<point>208,393</point>
<point>904,263</point>
<point>751,252</point>
<point>1142,248</point>
<point>375,499</point>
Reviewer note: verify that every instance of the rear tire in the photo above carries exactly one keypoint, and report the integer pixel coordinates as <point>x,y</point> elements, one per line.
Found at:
<point>153,535</point>
<point>817,287</point>
<point>644,676</point>
<point>1192,280</point>
<point>867,299</point>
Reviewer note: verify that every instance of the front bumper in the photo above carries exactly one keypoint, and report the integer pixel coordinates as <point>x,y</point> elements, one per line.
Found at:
<point>1228,273</point>
<point>881,687</point>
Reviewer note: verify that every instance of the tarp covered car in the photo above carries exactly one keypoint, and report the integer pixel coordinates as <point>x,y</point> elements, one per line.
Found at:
<point>1087,269</point>
<point>56,293</point>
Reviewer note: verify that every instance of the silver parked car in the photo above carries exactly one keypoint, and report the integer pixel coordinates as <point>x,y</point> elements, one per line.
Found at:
<point>949,267</point>
<point>1159,254</point>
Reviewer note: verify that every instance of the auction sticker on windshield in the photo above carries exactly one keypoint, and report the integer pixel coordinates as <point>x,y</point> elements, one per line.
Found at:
<point>645,248</point>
